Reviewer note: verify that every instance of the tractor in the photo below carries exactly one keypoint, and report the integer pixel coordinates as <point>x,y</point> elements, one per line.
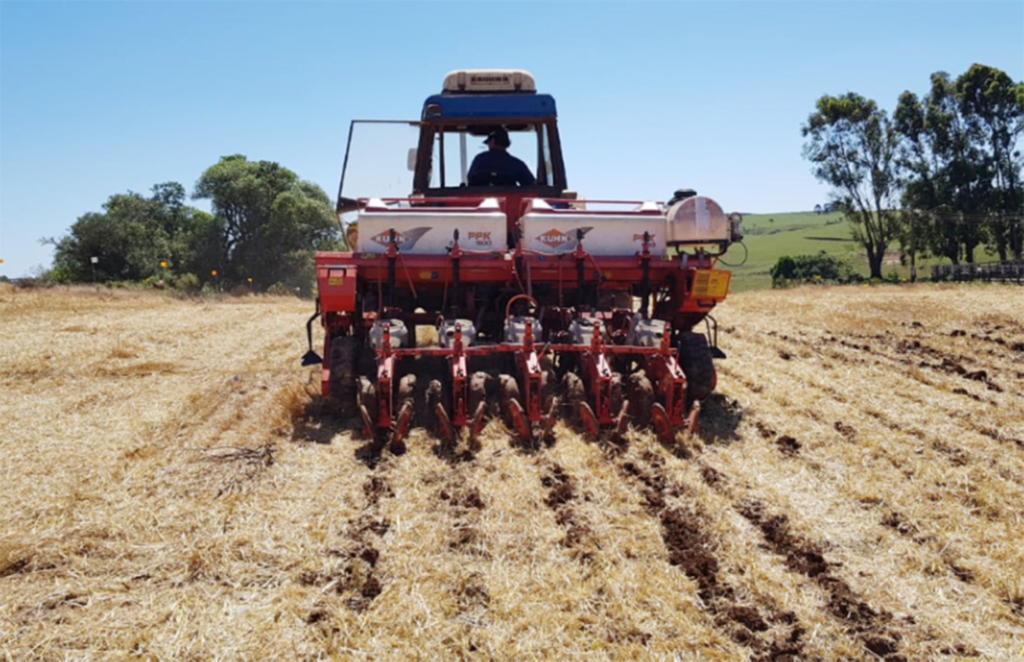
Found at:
<point>466,299</point>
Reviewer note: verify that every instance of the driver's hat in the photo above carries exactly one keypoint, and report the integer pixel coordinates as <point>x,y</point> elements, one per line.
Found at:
<point>499,136</point>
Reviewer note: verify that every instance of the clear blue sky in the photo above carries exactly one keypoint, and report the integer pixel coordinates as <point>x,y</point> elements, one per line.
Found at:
<point>98,98</point>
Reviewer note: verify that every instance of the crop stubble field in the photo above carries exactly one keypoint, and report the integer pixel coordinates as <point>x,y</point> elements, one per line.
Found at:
<point>174,489</point>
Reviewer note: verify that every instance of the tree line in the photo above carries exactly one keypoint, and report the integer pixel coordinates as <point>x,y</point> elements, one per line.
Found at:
<point>263,233</point>
<point>940,176</point>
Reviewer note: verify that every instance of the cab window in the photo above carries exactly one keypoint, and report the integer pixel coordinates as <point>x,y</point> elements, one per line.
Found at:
<point>454,148</point>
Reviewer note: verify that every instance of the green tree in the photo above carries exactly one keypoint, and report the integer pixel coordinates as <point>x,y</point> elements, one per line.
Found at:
<point>946,177</point>
<point>93,237</point>
<point>132,236</point>
<point>852,144</point>
<point>962,169</point>
<point>269,223</point>
<point>993,106</point>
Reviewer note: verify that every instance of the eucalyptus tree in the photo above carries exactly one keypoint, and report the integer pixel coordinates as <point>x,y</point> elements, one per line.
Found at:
<point>992,105</point>
<point>945,176</point>
<point>852,146</point>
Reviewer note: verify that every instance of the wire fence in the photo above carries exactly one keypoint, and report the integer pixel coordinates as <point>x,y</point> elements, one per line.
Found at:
<point>987,271</point>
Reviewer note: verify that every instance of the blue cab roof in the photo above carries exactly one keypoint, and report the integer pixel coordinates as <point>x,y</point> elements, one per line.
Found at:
<point>482,106</point>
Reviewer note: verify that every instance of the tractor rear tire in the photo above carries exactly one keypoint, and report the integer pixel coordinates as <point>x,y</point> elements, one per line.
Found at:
<point>343,381</point>
<point>695,360</point>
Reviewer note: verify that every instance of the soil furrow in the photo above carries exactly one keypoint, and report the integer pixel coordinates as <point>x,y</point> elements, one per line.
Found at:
<point>772,635</point>
<point>790,447</point>
<point>871,626</point>
<point>561,493</point>
<point>990,474</point>
<point>957,456</point>
<point>948,551</point>
<point>348,571</point>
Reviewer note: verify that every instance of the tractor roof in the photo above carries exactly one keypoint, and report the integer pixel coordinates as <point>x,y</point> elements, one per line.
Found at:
<point>489,80</point>
<point>484,106</point>
<point>488,94</point>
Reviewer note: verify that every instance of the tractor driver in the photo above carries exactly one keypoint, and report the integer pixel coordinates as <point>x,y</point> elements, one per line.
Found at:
<point>496,166</point>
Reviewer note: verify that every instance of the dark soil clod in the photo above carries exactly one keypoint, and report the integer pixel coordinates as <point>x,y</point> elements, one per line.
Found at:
<point>316,616</point>
<point>559,495</point>
<point>788,445</point>
<point>748,617</point>
<point>895,521</point>
<point>847,431</point>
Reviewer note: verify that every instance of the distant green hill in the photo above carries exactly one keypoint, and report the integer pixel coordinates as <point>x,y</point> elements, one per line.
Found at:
<point>767,237</point>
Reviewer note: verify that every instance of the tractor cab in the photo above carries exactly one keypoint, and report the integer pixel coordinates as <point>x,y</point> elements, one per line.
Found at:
<point>455,123</point>
<point>442,145</point>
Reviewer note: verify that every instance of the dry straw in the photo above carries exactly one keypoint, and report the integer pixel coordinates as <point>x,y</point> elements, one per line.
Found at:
<point>174,489</point>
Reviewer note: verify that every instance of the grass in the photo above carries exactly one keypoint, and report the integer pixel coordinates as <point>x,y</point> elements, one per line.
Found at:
<point>771,236</point>
<point>173,489</point>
